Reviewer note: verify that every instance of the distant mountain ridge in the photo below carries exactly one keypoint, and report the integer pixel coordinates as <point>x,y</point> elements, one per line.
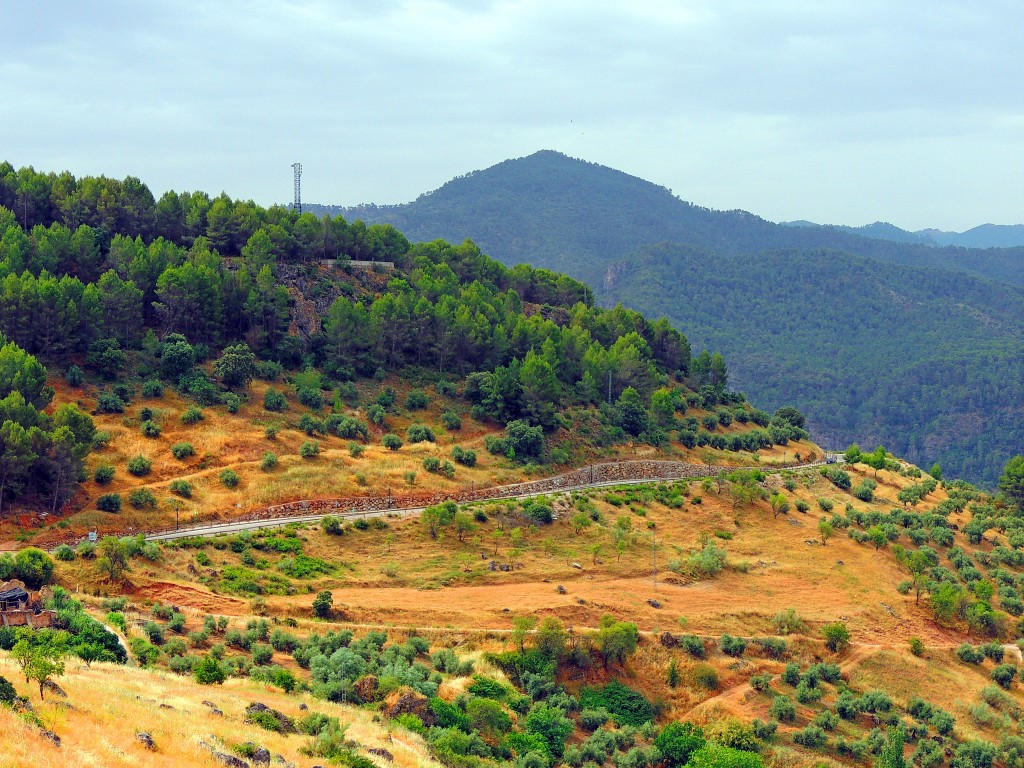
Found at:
<point>983,236</point>
<point>862,329</point>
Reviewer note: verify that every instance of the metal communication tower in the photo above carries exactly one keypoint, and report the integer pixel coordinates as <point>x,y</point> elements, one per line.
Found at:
<point>297,205</point>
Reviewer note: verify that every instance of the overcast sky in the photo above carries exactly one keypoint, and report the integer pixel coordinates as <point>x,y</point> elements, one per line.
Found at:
<point>830,110</point>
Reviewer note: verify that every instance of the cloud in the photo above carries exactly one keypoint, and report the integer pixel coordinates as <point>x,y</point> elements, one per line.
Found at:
<point>384,100</point>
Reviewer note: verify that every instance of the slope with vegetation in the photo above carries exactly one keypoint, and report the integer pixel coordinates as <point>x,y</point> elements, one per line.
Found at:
<point>858,615</point>
<point>231,357</point>
<point>917,350</point>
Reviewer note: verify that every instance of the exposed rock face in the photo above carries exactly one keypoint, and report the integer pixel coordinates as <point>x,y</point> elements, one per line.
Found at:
<point>411,702</point>
<point>669,640</point>
<point>366,688</point>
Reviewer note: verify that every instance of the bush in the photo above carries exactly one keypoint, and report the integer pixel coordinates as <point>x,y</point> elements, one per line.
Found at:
<point>451,420</point>
<point>788,622</point>
<point>733,646</point>
<point>274,401</point>
<point>772,646</point>
<point>705,676</point>
<point>812,737</point>
<point>968,654</point>
<point>417,400</point>
<point>182,450</point>
<point>103,474</point>
<point>262,654</point>
<point>1003,675</point>
<point>356,450</point>
<point>181,488</point>
<point>142,498</point>
<point>152,388</point>
<point>332,525</point>
<point>431,464</point>
<point>209,671</point>
<point>419,433</point>
<point>836,635</point>
<point>269,461</point>
<point>391,442</point>
<point>678,741</point>
<point>592,719</point>
<point>229,478</point>
<point>64,553</point>
<point>108,402</point>
<point>192,415</point>
<point>151,429</point>
<point>765,731</point>
<point>693,645</point>
<point>109,502</point>
<point>464,457</point>
<point>717,756</point>
<point>761,682</point>
<point>627,706</point>
<point>783,709</point>
<point>140,466</point>
<point>309,449</point>
<point>825,505</point>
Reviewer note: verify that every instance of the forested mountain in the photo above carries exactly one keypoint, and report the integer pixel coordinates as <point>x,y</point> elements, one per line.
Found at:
<point>875,337</point>
<point>551,210</point>
<point>879,353</point>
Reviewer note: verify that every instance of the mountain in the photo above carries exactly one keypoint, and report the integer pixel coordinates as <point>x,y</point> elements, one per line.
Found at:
<point>872,352</point>
<point>578,217</point>
<point>595,223</point>
<point>984,236</point>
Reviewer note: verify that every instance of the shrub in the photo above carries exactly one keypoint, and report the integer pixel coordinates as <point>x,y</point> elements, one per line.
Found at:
<point>391,442</point>
<point>836,635</point>
<point>825,505</point>
<point>791,674</point>
<point>772,646</point>
<point>74,375</point>
<point>733,646</point>
<point>678,741</point>
<point>376,414</point>
<point>733,733</point>
<point>693,645</point>
<point>705,676</point>
<point>151,429</point>
<point>109,502</point>
<point>788,621</point>
<point>451,420</point>
<point>592,719</point>
<point>142,498</point>
<point>209,671</point>
<point>140,466</point>
<point>717,756</point>
<point>761,682</point>
<point>181,488</point>
<point>322,604</point>
<point>309,449</point>
<point>808,693</point>
<point>274,401</point>
<point>826,720</point>
<point>627,706</point>
<point>765,731</point>
<point>464,457</point>
<point>417,400</point>
<point>431,464</point>
<point>103,474</point>
<point>229,478</point>
<point>968,654</point>
<point>310,397</point>
<point>356,450</point>
<point>262,654</point>
<point>182,450</point>
<point>269,461</point>
<point>64,553</point>
<point>783,709</point>
<point>812,737</point>
<point>419,433</point>
<point>192,415</point>
<point>332,525</point>
<point>993,650</point>
<point>1003,675</point>
<point>108,402</point>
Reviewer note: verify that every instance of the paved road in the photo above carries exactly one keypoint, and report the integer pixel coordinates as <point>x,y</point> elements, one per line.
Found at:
<point>215,529</point>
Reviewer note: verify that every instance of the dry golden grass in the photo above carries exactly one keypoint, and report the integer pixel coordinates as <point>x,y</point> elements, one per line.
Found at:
<point>110,704</point>
<point>238,442</point>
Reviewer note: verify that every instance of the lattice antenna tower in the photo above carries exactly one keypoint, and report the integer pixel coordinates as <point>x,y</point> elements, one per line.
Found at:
<point>297,205</point>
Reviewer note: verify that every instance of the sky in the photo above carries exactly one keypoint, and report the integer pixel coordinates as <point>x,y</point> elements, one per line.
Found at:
<point>828,110</point>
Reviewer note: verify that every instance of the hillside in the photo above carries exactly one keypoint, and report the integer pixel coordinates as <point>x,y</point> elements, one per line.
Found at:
<point>954,339</point>
<point>427,651</point>
<point>982,236</point>
<point>876,353</point>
